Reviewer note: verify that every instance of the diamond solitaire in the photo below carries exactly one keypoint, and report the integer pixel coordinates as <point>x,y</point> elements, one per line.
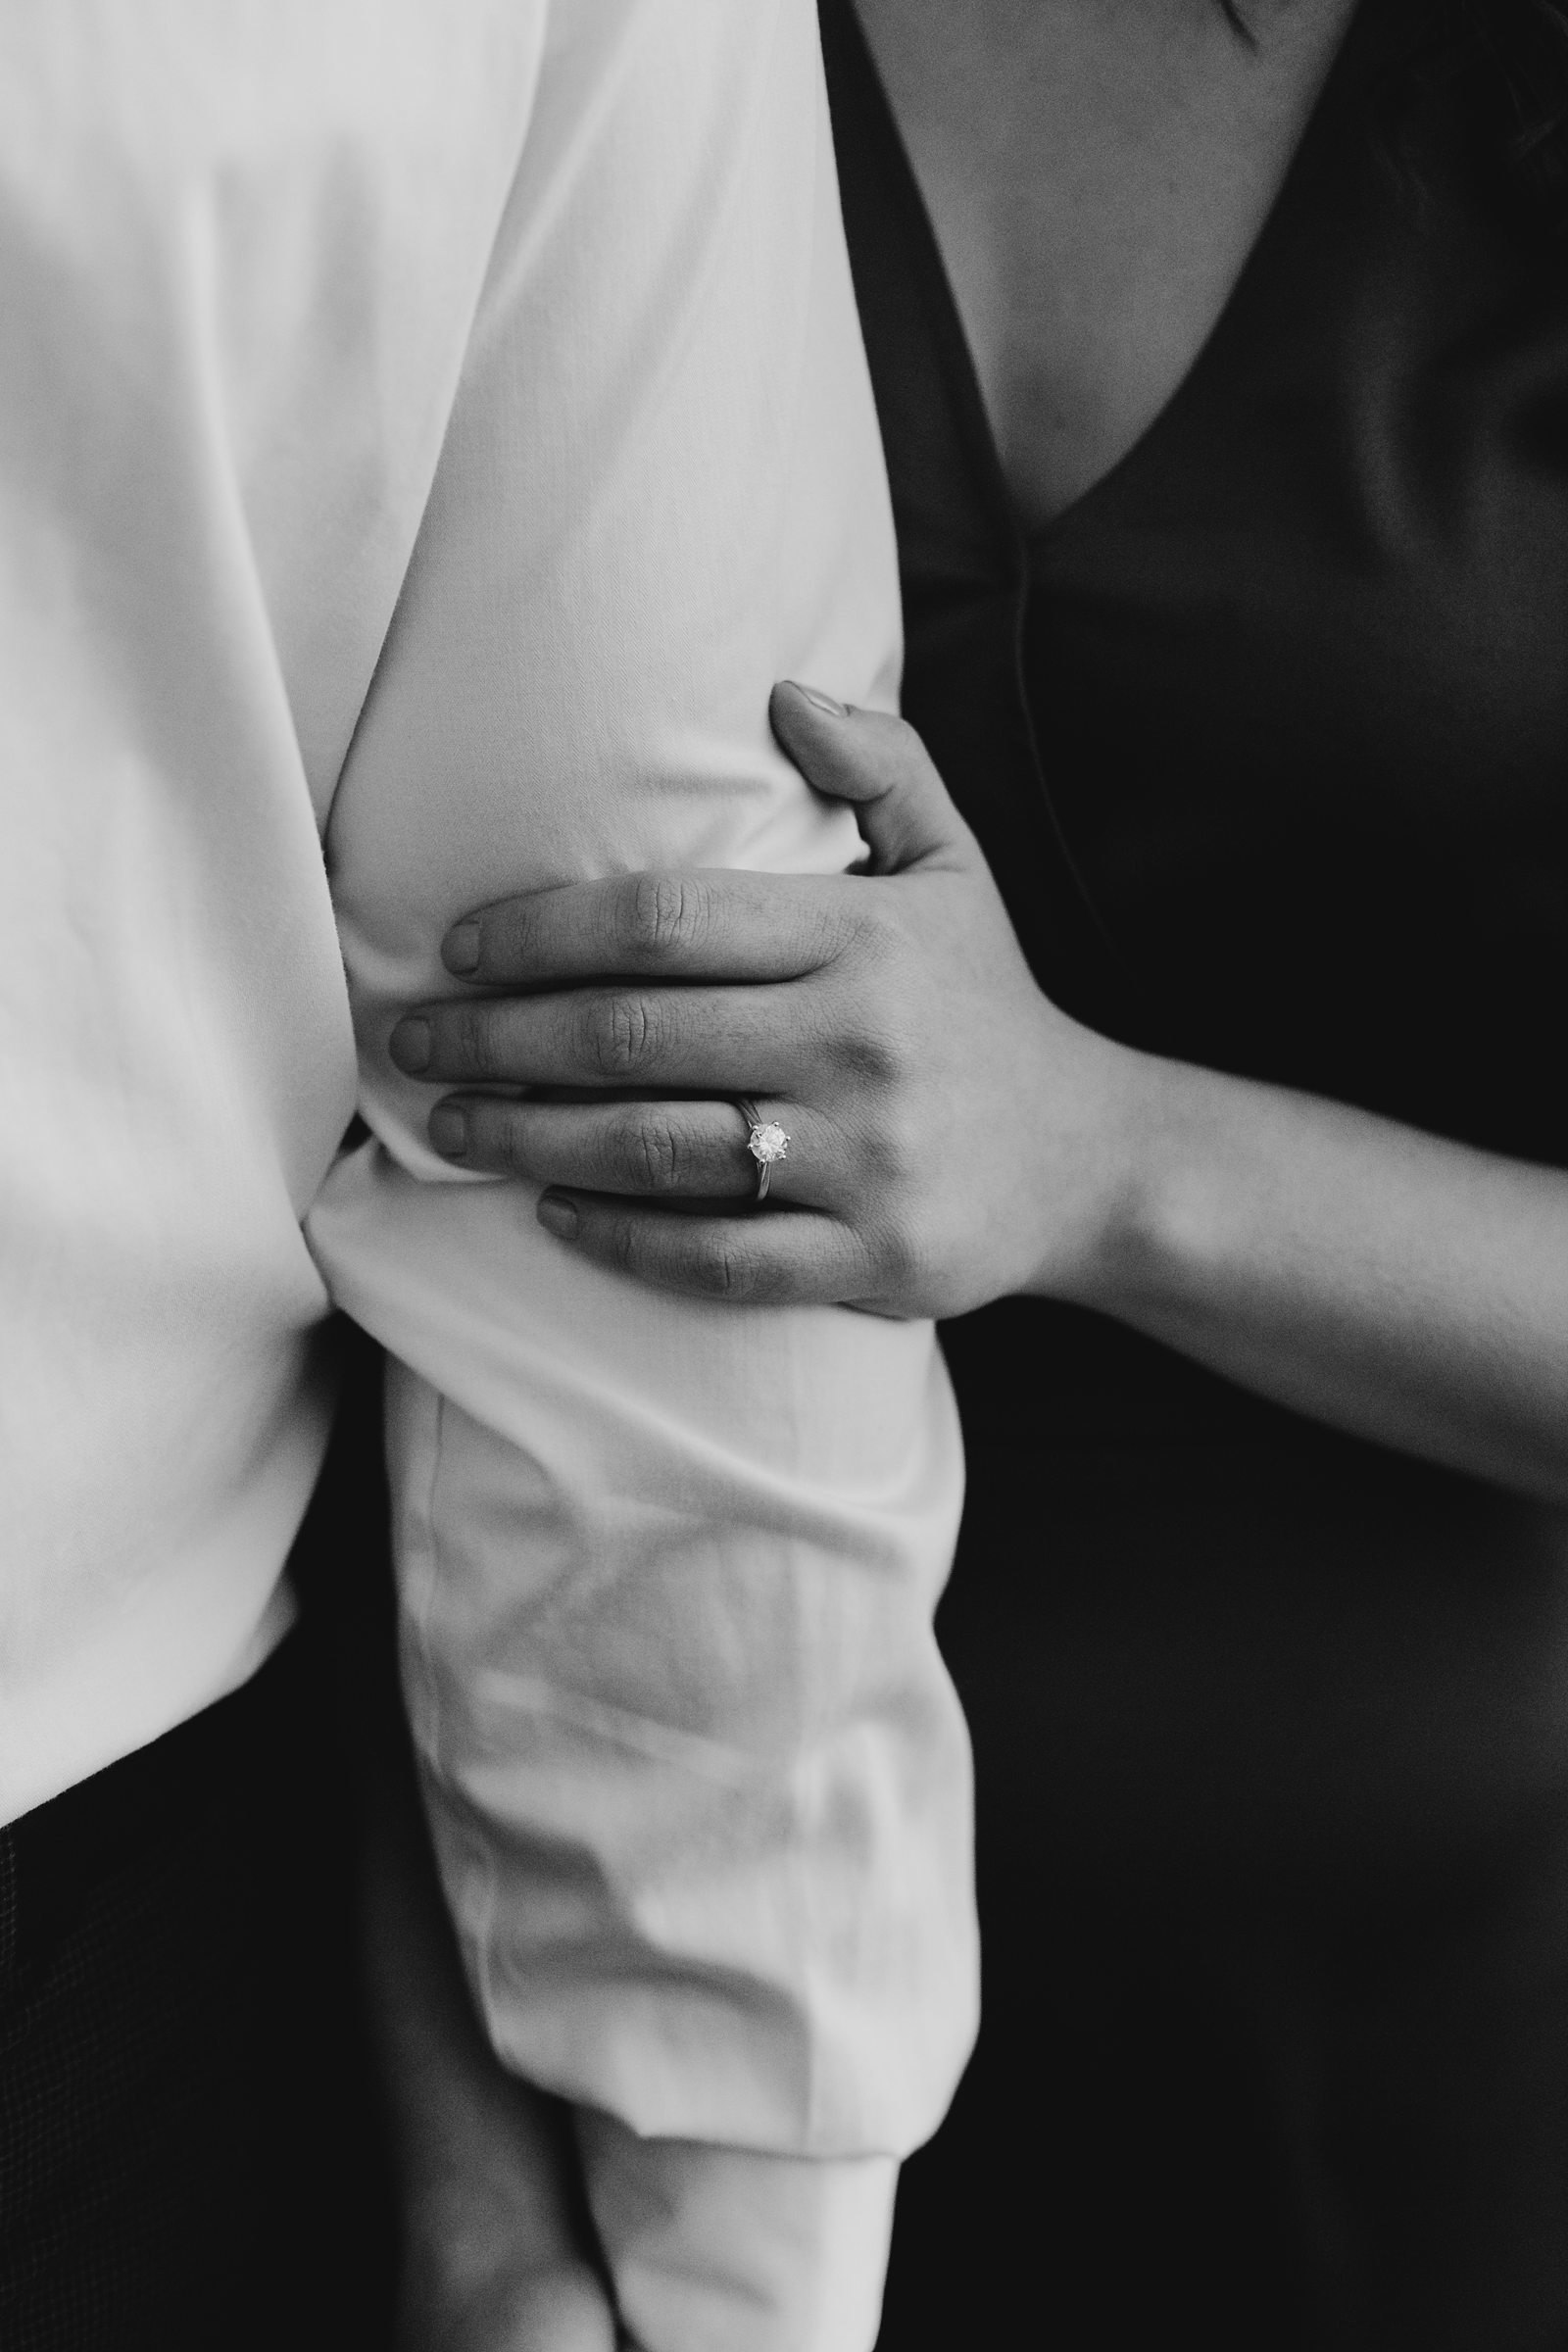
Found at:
<point>766,1141</point>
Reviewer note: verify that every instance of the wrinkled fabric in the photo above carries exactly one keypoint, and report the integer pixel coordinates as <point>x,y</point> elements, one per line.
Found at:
<point>696,1778</point>
<point>479,389</point>
<point>240,252</point>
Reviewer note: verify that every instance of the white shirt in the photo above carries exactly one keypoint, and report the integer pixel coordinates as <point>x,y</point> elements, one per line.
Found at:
<point>240,250</point>
<point>698,1781</point>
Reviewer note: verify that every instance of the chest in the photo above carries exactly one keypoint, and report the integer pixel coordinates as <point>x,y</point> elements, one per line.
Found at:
<point>1265,739</point>
<point>1097,172</point>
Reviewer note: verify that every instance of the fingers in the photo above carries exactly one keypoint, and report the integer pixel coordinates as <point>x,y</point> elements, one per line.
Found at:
<point>903,806</point>
<point>663,1150</point>
<point>555,2311</point>
<point>700,926</point>
<point>766,1257</point>
<point>713,1039</point>
<point>723,925</point>
<point>513,2309</point>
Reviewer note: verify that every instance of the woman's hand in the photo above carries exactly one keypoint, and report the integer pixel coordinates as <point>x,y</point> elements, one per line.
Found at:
<point>952,1136</point>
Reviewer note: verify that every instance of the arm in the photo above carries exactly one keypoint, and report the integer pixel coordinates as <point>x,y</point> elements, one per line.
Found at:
<point>697,1780</point>
<point>1401,1287</point>
<point>494,2253</point>
<point>957,1138</point>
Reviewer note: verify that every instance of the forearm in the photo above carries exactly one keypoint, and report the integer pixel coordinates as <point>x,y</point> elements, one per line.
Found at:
<point>482,2167</point>
<point>1405,1287</point>
<point>638,1547</point>
<point>698,1783</point>
<point>668,1576</point>
<point>493,2253</point>
<point>659,1671</point>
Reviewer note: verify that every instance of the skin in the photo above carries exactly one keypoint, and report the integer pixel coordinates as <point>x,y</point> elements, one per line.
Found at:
<point>494,2253</point>
<point>1097,172</point>
<point>955,1138</point>
<point>492,2259</point>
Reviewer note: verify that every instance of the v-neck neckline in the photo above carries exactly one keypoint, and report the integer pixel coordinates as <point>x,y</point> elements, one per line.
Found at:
<point>1028,541</point>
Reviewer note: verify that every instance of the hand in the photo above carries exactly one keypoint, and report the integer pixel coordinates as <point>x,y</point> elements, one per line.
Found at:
<point>952,1136</point>
<point>495,2250</point>
<point>490,2260</point>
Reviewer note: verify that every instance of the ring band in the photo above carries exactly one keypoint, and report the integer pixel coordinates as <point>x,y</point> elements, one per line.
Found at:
<point>766,1141</point>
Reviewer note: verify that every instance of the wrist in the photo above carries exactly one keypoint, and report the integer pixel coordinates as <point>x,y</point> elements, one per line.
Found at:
<point>1147,1190</point>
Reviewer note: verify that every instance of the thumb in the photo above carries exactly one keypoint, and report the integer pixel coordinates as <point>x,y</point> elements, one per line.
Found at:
<point>902,806</point>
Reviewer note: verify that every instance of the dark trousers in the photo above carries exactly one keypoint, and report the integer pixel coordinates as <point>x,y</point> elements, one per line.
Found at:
<point>189,2146</point>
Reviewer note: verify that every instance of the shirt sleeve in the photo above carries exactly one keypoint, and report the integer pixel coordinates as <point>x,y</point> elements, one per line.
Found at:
<point>698,1780</point>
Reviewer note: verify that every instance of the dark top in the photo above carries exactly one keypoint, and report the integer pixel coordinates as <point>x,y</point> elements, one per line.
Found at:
<point>1266,736</point>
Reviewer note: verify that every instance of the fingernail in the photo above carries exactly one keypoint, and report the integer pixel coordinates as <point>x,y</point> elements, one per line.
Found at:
<point>449,1131</point>
<point>819,700</point>
<point>460,950</point>
<point>411,1045</point>
<point>558,1215</point>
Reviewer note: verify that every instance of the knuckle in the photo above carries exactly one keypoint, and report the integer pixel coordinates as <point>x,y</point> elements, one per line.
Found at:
<point>470,1038</point>
<point>618,1038</point>
<point>768,1284</point>
<point>875,1057</point>
<point>893,1160</point>
<point>897,1259</point>
<point>623,1245</point>
<point>900,1255</point>
<point>888,1157</point>
<point>655,1156</point>
<point>881,935</point>
<point>720,1269</point>
<point>506,1135</point>
<point>664,916</point>
<point>826,929</point>
<point>507,937</point>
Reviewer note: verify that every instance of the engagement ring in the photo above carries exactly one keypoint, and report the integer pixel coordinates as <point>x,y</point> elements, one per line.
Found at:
<point>766,1143</point>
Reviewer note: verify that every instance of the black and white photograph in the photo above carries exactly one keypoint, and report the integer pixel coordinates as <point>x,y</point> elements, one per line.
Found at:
<point>783,1175</point>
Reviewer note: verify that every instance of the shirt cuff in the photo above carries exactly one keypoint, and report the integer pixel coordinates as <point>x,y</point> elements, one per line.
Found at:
<point>715,2250</point>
